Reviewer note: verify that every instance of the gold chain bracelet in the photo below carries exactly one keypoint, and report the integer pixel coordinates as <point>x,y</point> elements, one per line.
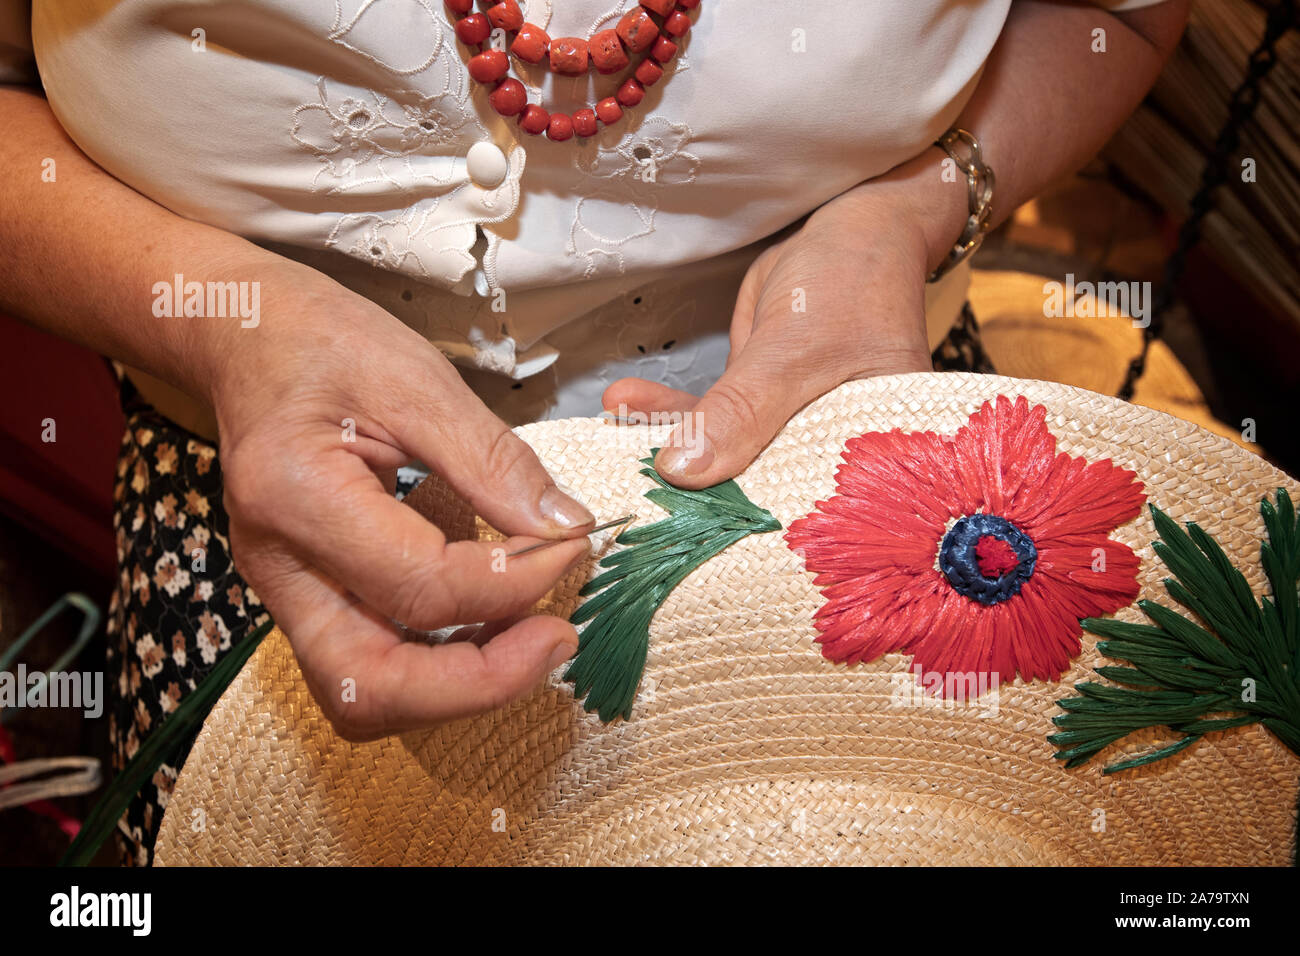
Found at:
<point>964,149</point>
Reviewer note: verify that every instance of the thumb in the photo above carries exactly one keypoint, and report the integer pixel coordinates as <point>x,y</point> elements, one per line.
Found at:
<point>766,384</point>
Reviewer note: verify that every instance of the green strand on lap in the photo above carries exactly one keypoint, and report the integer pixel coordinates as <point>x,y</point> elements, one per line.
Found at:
<point>623,599</point>
<point>160,745</point>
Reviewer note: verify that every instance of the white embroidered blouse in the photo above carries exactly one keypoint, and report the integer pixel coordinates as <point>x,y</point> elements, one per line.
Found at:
<point>348,133</point>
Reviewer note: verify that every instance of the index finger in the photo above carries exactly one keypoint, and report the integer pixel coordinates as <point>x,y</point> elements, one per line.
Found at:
<point>401,565</point>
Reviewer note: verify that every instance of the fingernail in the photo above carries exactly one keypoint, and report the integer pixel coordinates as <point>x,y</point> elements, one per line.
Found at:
<point>687,458</point>
<point>561,653</point>
<point>558,508</point>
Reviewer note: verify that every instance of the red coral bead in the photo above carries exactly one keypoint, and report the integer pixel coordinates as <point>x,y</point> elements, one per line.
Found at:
<point>509,98</point>
<point>534,119</point>
<point>607,52</point>
<point>569,56</point>
<point>584,122</point>
<point>663,50</point>
<point>630,93</point>
<point>688,4</point>
<point>530,43</point>
<point>649,72</point>
<point>460,7</point>
<point>473,29</point>
<point>678,24</point>
<point>560,128</point>
<point>489,66</point>
<point>637,30</point>
<point>506,15</point>
<point>609,111</point>
<point>661,7</point>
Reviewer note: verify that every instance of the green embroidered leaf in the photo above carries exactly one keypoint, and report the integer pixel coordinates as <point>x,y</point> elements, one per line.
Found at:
<point>1242,667</point>
<point>612,649</point>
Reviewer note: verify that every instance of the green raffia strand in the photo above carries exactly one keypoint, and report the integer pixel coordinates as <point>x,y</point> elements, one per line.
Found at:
<point>1184,676</point>
<point>612,649</point>
<point>184,720</point>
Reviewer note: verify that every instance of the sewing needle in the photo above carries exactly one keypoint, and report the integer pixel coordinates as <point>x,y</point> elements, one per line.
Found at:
<point>626,519</point>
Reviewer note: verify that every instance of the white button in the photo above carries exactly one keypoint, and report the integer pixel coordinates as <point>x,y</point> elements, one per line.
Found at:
<point>487,165</point>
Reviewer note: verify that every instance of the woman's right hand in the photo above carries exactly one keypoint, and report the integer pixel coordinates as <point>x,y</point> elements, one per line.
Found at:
<point>335,556</point>
<point>326,548</point>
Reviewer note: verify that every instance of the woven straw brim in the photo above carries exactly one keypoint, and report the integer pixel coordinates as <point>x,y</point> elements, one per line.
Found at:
<point>746,746</point>
<point>1091,353</point>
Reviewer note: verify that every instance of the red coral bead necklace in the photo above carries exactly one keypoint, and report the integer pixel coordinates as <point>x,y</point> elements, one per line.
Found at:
<point>652,28</point>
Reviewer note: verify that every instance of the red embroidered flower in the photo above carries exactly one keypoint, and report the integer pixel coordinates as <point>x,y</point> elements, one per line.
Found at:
<point>975,553</point>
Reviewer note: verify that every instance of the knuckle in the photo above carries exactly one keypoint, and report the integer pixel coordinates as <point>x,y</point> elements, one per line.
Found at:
<point>353,721</point>
<point>496,689</point>
<point>506,453</point>
<point>413,602</point>
<point>351,727</point>
<point>891,360</point>
<point>498,696</point>
<point>244,488</point>
<point>738,404</point>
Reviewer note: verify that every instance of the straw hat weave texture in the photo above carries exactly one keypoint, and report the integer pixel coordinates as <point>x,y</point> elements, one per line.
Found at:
<point>746,746</point>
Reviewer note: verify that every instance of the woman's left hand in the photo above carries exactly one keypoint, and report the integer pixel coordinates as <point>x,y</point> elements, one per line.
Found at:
<point>843,298</point>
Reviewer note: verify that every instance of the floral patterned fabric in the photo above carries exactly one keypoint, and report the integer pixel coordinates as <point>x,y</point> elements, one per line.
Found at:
<point>179,603</point>
<point>963,349</point>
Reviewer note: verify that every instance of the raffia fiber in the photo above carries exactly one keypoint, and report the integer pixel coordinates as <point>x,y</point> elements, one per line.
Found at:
<point>746,746</point>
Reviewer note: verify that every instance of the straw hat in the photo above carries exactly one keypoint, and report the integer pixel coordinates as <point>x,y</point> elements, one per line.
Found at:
<point>745,744</point>
<point>1091,353</point>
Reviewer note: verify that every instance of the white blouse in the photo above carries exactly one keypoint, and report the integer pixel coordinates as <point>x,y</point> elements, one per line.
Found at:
<point>348,134</point>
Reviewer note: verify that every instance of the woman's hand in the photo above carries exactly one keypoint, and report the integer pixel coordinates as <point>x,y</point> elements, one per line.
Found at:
<point>862,259</point>
<point>843,298</point>
<point>331,552</point>
<point>324,545</point>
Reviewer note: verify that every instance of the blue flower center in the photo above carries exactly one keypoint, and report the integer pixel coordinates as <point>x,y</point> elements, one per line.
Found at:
<point>987,558</point>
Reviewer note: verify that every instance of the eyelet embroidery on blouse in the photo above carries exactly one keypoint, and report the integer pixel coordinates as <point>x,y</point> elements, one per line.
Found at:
<point>598,234</point>
<point>640,157</point>
<point>384,243</point>
<point>632,163</point>
<point>411,142</point>
<point>414,242</point>
<point>652,153</point>
<point>368,12</point>
<point>648,339</point>
<point>353,137</point>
